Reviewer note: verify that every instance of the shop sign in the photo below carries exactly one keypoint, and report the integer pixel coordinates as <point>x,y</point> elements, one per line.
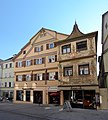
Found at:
<point>53,88</point>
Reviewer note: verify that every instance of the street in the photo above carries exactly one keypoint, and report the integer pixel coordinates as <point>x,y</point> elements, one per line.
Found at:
<point>9,111</point>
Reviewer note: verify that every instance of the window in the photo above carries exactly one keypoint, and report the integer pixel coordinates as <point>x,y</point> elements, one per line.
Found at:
<point>40,61</point>
<point>50,45</point>
<point>38,49</point>
<point>84,69</point>
<point>19,78</point>
<point>68,71</point>
<point>81,46</point>
<point>39,76</point>
<point>5,84</point>
<point>19,95</point>
<point>19,63</point>
<point>24,52</point>
<point>28,62</point>
<point>53,76</point>
<point>9,84</point>
<point>28,96</point>
<point>28,77</point>
<point>66,49</point>
<point>6,65</point>
<point>52,58</point>
<point>10,65</point>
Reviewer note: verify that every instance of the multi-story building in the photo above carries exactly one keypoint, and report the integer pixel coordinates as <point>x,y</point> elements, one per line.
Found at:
<point>36,69</point>
<point>54,67</point>
<point>77,55</point>
<point>103,65</point>
<point>1,75</point>
<point>7,81</point>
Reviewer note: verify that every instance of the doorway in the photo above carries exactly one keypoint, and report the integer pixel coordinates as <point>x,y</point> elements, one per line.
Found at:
<point>37,97</point>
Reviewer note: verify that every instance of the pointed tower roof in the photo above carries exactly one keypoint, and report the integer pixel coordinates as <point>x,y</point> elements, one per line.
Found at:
<point>76,32</point>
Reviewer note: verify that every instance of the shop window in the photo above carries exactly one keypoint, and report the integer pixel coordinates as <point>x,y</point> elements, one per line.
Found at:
<point>81,45</point>
<point>66,49</point>
<point>28,96</point>
<point>19,95</point>
<point>84,69</point>
<point>68,71</point>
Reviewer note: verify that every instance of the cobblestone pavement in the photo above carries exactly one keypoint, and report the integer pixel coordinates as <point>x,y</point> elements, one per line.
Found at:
<point>42,112</point>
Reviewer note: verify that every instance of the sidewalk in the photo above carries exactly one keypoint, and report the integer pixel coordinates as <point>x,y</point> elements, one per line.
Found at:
<point>49,112</point>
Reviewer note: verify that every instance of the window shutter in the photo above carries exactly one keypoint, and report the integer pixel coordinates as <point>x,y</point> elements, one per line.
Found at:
<point>56,76</point>
<point>47,76</point>
<point>43,76</point>
<point>34,61</point>
<point>55,58</point>
<point>31,77</point>
<point>35,49</point>
<point>24,78</point>
<point>35,77</point>
<point>63,71</point>
<point>43,60</point>
<point>17,78</point>
<point>42,48</point>
<point>16,64</point>
<point>47,46</point>
<point>31,62</point>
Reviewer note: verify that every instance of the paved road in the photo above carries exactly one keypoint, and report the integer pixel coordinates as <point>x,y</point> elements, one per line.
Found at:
<point>9,111</point>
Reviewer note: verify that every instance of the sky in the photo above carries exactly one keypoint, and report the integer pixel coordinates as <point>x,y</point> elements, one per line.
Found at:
<point>21,19</point>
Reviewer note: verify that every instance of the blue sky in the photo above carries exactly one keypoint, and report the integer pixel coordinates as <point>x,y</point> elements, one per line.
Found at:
<point>21,19</point>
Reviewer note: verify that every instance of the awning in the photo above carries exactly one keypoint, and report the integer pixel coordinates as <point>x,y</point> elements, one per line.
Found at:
<point>54,94</point>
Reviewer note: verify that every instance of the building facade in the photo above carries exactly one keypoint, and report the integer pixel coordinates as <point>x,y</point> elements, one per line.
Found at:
<point>103,66</point>
<point>54,67</point>
<point>7,80</point>
<point>1,67</point>
<point>77,55</point>
<point>36,69</point>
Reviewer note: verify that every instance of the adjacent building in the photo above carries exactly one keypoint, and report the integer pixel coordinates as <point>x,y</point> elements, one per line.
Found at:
<point>103,65</point>
<point>7,78</point>
<point>36,69</point>
<point>53,67</point>
<point>77,56</point>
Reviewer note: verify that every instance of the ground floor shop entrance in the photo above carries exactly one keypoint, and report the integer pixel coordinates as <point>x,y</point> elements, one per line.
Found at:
<point>37,97</point>
<point>54,98</point>
<point>80,98</point>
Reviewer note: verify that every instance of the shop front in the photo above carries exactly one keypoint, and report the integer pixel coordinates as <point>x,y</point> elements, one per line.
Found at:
<point>81,98</point>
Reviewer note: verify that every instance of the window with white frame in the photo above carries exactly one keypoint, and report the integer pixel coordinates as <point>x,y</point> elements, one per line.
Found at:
<point>51,58</point>
<point>84,69</point>
<point>39,61</point>
<point>52,76</point>
<point>81,45</point>
<point>51,45</point>
<point>28,77</point>
<point>38,48</point>
<point>28,62</point>
<point>19,63</point>
<point>19,77</point>
<point>68,71</point>
<point>39,76</point>
<point>66,49</point>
